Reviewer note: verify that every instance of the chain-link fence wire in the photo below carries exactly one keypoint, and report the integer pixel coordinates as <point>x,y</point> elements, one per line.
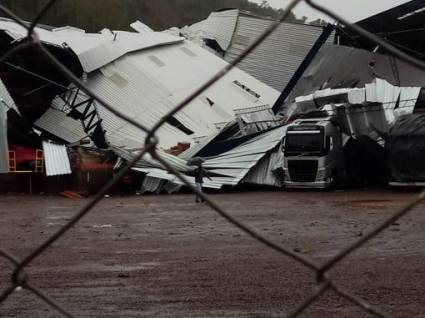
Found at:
<point>19,279</point>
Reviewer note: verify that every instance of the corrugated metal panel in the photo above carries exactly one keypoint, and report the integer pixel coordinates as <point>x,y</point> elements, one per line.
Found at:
<point>4,146</point>
<point>60,125</point>
<point>262,173</point>
<point>154,177</point>
<point>56,159</point>
<point>380,91</point>
<point>236,163</point>
<point>142,89</point>
<point>220,26</point>
<point>152,185</point>
<point>408,98</point>
<point>148,162</point>
<point>367,110</point>
<point>94,50</point>
<point>275,61</point>
<point>5,97</point>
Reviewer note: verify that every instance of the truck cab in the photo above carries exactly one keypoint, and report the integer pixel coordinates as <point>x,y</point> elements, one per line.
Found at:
<point>313,153</point>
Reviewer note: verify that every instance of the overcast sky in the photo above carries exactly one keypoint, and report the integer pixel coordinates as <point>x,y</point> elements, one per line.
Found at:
<point>353,10</point>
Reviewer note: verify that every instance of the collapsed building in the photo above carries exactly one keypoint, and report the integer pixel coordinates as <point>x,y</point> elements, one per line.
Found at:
<point>237,125</point>
<point>144,75</point>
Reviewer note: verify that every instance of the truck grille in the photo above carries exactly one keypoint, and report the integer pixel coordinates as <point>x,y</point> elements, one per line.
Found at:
<point>302,170</point>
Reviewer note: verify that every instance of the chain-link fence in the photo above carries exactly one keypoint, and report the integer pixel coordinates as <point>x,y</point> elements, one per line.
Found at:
<point>19,279</point>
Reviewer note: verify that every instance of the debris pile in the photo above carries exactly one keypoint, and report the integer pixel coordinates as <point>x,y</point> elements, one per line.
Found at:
<point>239,125</point>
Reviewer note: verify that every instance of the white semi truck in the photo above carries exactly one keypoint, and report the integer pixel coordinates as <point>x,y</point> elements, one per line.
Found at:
<point>313,153</point>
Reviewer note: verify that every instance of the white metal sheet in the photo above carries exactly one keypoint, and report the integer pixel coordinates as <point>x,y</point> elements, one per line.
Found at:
<point>56,159</point>
<point>408,98</point>
<point>278,57</point>
<point>220,26</point>
<point>5,98</point>
<point>263,172</point>
<point>4,146</point>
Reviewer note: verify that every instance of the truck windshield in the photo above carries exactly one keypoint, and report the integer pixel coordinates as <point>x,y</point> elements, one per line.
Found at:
<point>300,143</point>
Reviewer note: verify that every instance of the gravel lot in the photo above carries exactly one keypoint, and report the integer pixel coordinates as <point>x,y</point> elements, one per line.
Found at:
<point>165,256</point>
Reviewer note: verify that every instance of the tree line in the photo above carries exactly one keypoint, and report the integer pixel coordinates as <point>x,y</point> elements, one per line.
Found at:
<point>94,15</point>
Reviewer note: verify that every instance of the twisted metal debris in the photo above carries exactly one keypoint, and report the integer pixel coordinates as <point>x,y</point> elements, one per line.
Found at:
<point>20,280</point>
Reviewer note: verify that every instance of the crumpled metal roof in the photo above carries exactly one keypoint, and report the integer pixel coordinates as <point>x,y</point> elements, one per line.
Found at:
<point>155,172</point>
<point>228,168</point>
<point>56,159</point>
<point>367,110</point>
<point>231,167</point>
<point>157,175</point>
<point>234,165</point>
<point>220,26</point>
<point>148,84</point>
<point>275,61</point>
<point>148,162</point>
<point>341,66</point>
<point>93,50</point>
<point>263,172</point>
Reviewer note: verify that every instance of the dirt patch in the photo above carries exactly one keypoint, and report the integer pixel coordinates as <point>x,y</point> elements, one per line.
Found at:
<point>165,256</point>
<point>373,204</point>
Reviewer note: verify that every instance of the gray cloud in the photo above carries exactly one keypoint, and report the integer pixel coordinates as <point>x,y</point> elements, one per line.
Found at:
<point>353,10</point>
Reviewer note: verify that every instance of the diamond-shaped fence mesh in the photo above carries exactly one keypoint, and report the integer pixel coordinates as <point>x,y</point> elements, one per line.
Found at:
<point>20,280</point>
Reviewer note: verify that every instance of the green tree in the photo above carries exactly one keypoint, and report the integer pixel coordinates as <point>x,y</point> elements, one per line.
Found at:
<point>94,15</point>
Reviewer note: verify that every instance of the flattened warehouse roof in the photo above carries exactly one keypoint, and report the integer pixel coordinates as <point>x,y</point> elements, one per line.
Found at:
<point>147,84</point>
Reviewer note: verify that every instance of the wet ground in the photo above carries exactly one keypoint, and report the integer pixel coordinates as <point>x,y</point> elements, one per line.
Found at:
<point>165,256</point>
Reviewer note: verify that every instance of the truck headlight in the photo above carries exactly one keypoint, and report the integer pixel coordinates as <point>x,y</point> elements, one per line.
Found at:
<point>320,175</point>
